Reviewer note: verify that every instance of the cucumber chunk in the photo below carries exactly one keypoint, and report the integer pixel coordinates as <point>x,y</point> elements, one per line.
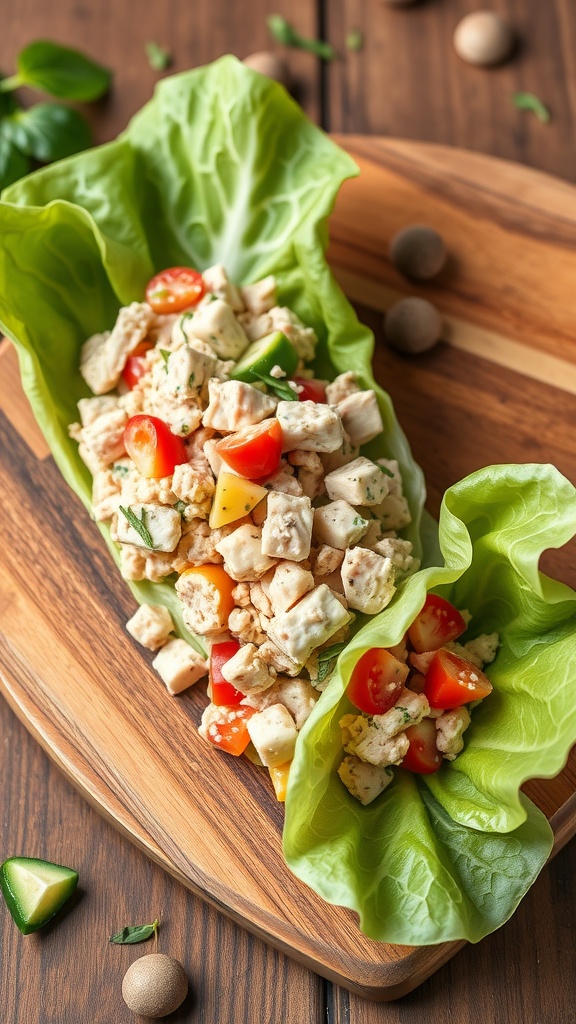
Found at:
<point>35,890</point>
<point>273,349</point>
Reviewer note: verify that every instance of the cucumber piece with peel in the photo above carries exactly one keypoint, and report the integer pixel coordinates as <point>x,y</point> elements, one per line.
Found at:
<point>35,890</point>
<point>261,356</point>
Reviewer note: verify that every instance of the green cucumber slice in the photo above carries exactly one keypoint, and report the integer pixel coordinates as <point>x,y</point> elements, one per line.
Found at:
<point>35,890</point>
<point>273,349</point>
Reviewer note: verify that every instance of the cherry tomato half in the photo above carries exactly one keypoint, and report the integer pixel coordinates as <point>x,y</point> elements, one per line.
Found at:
<point>221,691</point>
<point>422,756</point>
<point>377,681</point>
<point>152,446</point>
<point>312,390</point>
<point>136,364</point>
<point>174,289</point>
<point>437,624</point>
<point>253,452</point>
<point>452,681</point>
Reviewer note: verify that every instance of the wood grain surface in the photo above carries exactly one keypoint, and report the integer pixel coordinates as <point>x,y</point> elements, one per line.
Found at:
<point>523,972</point>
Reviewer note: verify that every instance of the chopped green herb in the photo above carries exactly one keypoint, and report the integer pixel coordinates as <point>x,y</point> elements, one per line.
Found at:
<point>355,40</point>
<point>120,470</point>
<point>327,659</point>
<point>159,57</point>
<point>283,32</point>
<point>180,507</point>
<point>185,316</point>
<point>358,521</point>
<point>138,524</point>
<point>385,470</point>
<point>528,101</point>
<point>165,353</point>
<point>280,387</point>
<point>191,380</point>
<point>132,934</point>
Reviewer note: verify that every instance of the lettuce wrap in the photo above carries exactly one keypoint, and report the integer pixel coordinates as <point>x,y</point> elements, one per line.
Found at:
<point>222,166</point>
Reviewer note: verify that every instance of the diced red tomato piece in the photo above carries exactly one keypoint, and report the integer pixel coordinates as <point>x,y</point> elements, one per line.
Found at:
<point>221,691</point>
<point>174,289</point>
<point>452,681</point>
<point>312,390</point>
<point>253,452</point>
<point>422,756</point>
<point>377,681</point>
<point>152,446</point>
<point>136,365</point>
<point>230,733</point>
<point>436,624</point>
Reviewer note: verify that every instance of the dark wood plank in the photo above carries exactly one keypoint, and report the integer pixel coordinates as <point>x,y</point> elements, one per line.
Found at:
<point>408,82</point>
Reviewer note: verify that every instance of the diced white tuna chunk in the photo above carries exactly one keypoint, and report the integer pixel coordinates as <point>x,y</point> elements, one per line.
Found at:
<point>273,732</point>
<point>368,580</point>
<point>150,625</point>
<point>393,512</point>
<point>186,371</point>
<point>287,530</point>
<point>360,483</point>
<point>298,695</point>
<point>309,426</point>
<point>215,324</point>
<point>289,583</point>
<point>217,282</point>
<point>247,671</point>
<point>343,385</point>
<point>364,781</point>
<point>343,455</point>
<point>243,555</point>
<point>395,480</point>
<point>327,560</point>
<point>179,666</point>
<point>202,608</point>
<point>483,649</point>
<point>260,296</point>
<point>361,417</point>
<point>104,356</point>
<point>161,527</point>
<point>450,727</point>
<point>338,524</point>
<point>308,624</point>
<point>399,552</point>
<point>381,737</point>
<point>234,405</point>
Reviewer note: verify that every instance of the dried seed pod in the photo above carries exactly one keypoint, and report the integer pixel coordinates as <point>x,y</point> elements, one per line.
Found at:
<point>483,38</point>
<point>269,64</point>
<point>412,325</point>
<point>418,252</point>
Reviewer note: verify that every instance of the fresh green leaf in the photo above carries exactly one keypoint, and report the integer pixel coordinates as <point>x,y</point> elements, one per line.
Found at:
<point>528,101</point>
<point>180,507</point>
<point>327,658</point>
<point>59,71</point>
<point>138,524</point>
<point>132,934</point>
<point>355,41</point>
<point>165,353</point>
<point>50,131</point>
<point>14,164</point>
<point>283,32</point>
<point>385,470</point>
<point>449,856</point>
<point>159,57</point>
<point>280,387</point>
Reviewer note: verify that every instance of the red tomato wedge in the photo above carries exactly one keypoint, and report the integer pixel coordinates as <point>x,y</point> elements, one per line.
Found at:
<point>452,681</point>
<point>152,446</point>
<point>174,289</point>
<point>221,691</point>
<point>312,390</point>
<point>230,733</point>
<point>253,452</point>
<point>422,756</point>
<point>437,624</point>
<point>136,365</point>
<point>377,681</point>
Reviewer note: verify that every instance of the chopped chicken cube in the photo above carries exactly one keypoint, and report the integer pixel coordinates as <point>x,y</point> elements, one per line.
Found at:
<point>359,483</point>
<point>201,604</point>
<point>343,385</point>
<point>193,486</point>
<point>102,442</point>
<point>150,625</point>
<point>368,580</point>
<point>303,338</point>
<point>393,512</point>
<point>308,624</point>
<point>450,727</point>
<point>215,324</point>
<point>217,282</point>
<point>244,559</point>
<point>364,781</point>
<point>287,530</point>
<point>373,739</point>
<point>91,409</point>
<point>399,552</point>
<point>234,405</point>
<point>309,426</point>
<point>310,472</point>
<point>186,372</point>
<point>260,296</point>
<point>162,525</point>
<point>273,732</point>
<point>298,695</point>
<point>327,560</point>
<point>247,671</point>
<point>338,524</point>
<point>361,417</point>
<point>245,624</point>
<point>278,660</point>
<point>104,356</point>
<point>179,666</point>
<point>343,455</point>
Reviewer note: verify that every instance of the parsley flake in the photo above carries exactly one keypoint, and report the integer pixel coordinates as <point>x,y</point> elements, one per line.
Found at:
<point>281,388</point>
<point>139,525</point>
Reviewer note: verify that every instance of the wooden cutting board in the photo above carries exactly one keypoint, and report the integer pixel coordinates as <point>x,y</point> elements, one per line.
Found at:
<point>503,388</point>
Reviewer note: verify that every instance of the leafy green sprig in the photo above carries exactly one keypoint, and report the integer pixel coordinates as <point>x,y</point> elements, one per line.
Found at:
<point>46,131</point>
<point>134,933</point>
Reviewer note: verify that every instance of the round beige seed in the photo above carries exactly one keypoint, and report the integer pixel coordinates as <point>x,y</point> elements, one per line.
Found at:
<point>412,325</point>
<point>155,985</point>
<point>483,38</point>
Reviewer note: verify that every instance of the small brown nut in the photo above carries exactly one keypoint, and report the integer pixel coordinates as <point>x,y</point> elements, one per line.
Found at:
<point>483,38</point>
<point>269,64</point>
<point>155,985</point>
<point>418,252</point>
<point>412,325</point>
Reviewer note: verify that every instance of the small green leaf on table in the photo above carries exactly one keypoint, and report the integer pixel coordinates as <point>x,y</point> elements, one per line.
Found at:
<point>132,934</point>
<point>49,131</point>
<point>528,101</point>
<point>59,71</point>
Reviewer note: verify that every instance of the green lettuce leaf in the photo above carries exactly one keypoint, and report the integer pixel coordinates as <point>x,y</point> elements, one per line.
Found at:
<point>449,856</point>
<point>221,166</point>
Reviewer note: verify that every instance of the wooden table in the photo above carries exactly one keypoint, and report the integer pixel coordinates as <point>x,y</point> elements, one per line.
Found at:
<point>406,82</point>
